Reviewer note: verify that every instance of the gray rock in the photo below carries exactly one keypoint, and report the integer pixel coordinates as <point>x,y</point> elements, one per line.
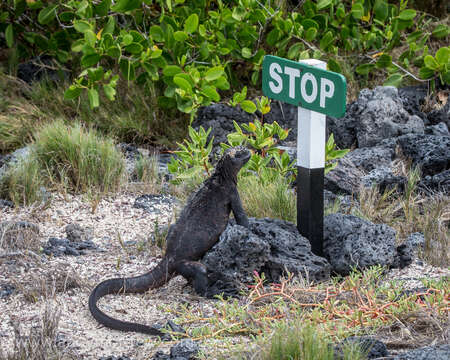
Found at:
<point>440,129</point>
<point>344,179</point>
<point>12,159</point>
<point>413,98</point>
<point>370,158</point>
<point>376,115</point>
<point>437,352</point>
<point>431,152</point>
<point>60,247</point>
<point>75,233</point>
<point>6,203</point>
<point>6,290</point>
<point>441,115</point>
<point>112,357</point>
<point>350,241</point>
<point>416,241</point>
<point>270,246</point>
<point>345,202</point>
<point>439,182</point>
<point>40,68</point>
<point>383,178</point>
<point>369,345</point>
<point>185,349</point>
<point>220,118</point>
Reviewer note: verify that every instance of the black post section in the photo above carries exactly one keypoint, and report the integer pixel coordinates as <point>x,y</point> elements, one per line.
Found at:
<point>310,206</point>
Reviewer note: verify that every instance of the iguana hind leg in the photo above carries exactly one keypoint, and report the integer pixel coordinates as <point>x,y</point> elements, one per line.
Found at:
<point>195,273</point>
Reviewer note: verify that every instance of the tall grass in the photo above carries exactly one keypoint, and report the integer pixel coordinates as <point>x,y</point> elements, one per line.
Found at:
<point>80,158</point>
<point>409,212</point>
<point>272,199</point>
<point>293,341</point>
<point>22,182</point>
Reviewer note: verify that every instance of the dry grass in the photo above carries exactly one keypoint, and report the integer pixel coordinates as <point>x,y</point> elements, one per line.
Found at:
<point>44,283</point>
<point>42,342</point>
<point>19,236</point>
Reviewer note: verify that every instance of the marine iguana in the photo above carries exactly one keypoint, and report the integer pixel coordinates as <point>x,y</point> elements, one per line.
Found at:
<point>196,231</point>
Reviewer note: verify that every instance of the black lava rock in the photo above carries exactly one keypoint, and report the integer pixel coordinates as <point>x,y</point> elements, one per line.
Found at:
<point>6,203</point>
<point>75,233</point>
<point>186,349</point>
<point>431,152</point>
<point>39,68</point>
<point>439,182</point>
<point>6,290</point>
<point>112,357</point>
<point>350,241</point>
<point>270,246</point>
<point>345,178</point>
<point>150,202</point>
<point>60,247</point>
<point>384,178</point>
<point>437,352</point>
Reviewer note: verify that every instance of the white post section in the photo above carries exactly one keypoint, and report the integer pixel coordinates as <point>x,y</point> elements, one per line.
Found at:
<point>311,124</point>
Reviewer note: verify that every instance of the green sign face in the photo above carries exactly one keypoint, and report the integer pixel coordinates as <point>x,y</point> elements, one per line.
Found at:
<point>303,85</point>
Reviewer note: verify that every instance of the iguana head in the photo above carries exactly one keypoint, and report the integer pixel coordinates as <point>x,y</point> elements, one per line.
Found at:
<point>232,161</point>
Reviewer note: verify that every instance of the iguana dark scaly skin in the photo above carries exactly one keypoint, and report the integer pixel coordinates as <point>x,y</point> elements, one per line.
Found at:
<point>196,231</point>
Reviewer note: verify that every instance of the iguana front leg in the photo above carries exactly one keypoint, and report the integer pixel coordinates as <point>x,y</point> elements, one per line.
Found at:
<point>194,272</point>
<point>238,210</point>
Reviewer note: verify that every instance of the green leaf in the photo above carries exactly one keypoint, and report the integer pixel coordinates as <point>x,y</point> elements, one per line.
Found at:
<point>311,34</point>
<point>294,50</point>
<point>81,26</point>
<point>103,8</point>
<point>134,48</point>
<point>394,80</point>
<point>182,83</point>
<point>273,36</point>
<point>210,91</point>
<point>426,73</point>
<point>357,11</point>
<point>443,55</point>
<point>180,36</point>
<point>441,31</point>
<point>127,69</point>
<point>323,4</point>
<point>333,65</point>
<point>90,60</point>
<point>110,25</point>
<point>47,14</point>
<point>326,40</point>
<point>72,92</point>
<point>77,45</point>
<point>172,70</point>
<point>430,62</point>
<point>214,73</point>
<point>114,52</point>
<point>9,35</point>
<point>384,61</point>
<point>381,10</point>
<point>191,23</point>
<point>248,106</point>
<point>157,33</point>
<point>364,69</point>
<point>246,53</point>
<point>90,37</point>
<point>66,16</point>
<point>110,92</point>
<point>127,39</point>
<point>407,14</point>
<point>126,5</point>
<point>93,98</point>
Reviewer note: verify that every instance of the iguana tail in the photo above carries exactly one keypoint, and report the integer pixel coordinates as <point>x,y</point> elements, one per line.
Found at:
<point>139,284</point>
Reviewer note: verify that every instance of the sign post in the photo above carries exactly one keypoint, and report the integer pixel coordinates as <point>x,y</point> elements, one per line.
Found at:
<point>317,93</point>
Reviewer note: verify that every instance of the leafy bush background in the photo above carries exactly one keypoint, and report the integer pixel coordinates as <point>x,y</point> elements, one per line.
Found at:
<point>191,53</point>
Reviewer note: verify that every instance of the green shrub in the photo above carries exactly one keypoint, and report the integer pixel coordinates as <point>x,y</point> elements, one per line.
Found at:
<point>22,182</point>
<point>80,159</point>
